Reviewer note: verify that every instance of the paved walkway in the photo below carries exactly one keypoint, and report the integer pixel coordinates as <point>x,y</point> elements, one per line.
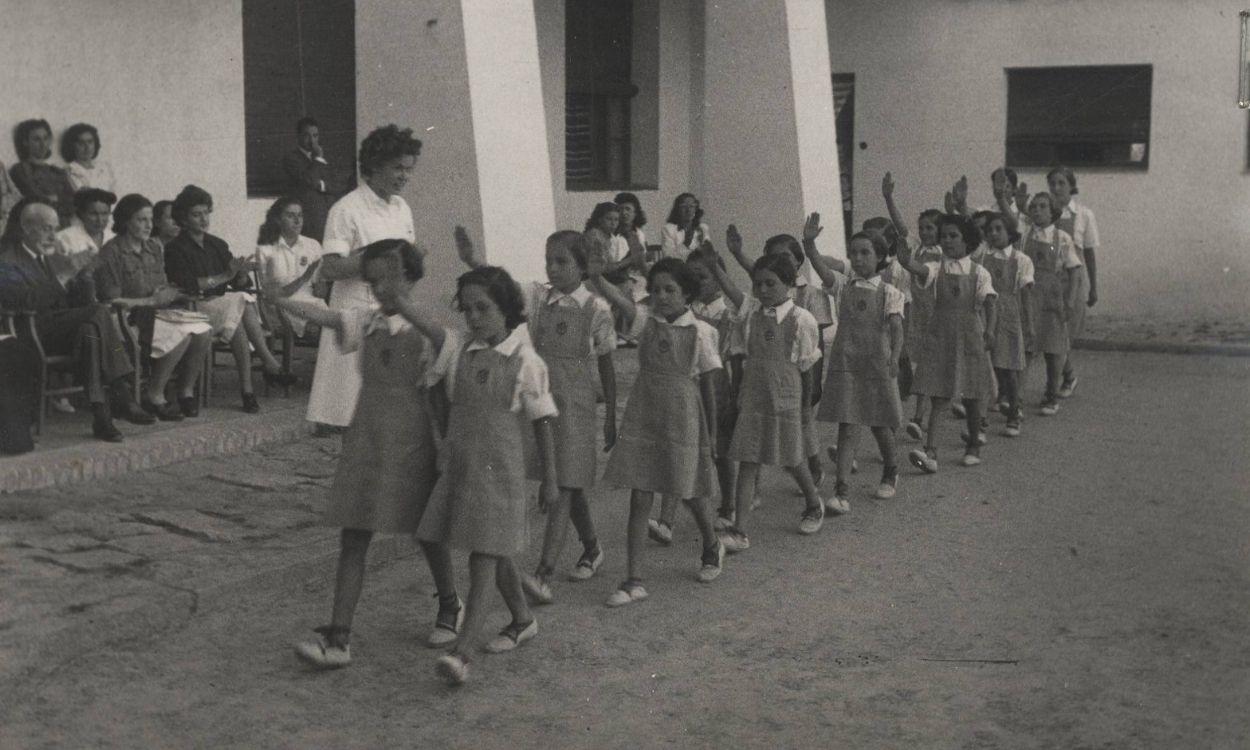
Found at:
<point>1086,587</point>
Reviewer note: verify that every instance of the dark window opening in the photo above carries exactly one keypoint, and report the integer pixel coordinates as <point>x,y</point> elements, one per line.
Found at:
<point>299,59</point>
<point>1081,116</point>
<point>598,51</point>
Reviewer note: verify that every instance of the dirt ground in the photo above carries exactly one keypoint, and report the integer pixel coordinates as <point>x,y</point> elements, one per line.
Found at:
<point>1087,587</point>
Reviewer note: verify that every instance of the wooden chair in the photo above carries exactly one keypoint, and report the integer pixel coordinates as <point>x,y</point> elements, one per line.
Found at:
<point>140,355</point>
<point>49,363</point>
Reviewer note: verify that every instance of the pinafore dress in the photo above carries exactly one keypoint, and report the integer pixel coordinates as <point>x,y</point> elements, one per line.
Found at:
<point>663,444</point>
<point>955,363</point>
<point>816,301</point>
<point>1008,351</point>
<point>387,468</point>
<point>859,389</point>
<point>1076,316</point>
<point>922,301</point>
<point>726,412</point>
<point>479,504</point>
<point>1049,292</point>
<point>562,337</point>
<point>770,422</point>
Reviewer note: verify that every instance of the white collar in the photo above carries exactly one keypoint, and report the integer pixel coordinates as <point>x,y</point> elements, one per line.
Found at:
<point>33,255</point>
<point>281,243</point>
<point>800,279</point>
<point>963,265</point>
<point>687,318</point>
<point>873,281</point>
<point>710,309</point>
<point>1004,253</point>
<point>1044,233</point>
<point>392,324</point>
<point>507,347</point>
<point>578,295</point>
<point>780,311</point>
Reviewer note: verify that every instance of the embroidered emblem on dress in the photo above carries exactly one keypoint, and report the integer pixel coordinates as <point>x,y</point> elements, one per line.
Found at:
<point>482,376</point>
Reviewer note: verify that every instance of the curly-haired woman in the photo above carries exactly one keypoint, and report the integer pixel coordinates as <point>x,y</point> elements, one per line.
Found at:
<point>373,211</point>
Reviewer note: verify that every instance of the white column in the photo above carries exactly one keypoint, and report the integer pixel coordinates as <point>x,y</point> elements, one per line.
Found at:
<point>769,147</point>
<point>509,133</point>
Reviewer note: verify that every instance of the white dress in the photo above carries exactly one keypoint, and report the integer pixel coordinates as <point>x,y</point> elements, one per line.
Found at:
<point>359,218</point>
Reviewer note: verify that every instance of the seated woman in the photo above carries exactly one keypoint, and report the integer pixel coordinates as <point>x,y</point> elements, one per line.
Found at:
<point>34,177</point>
<point>80,148</point>
<point>164,228</point>
<point>201,265</point>
<point>283,254</point>
<point>130,274</point>
<point>87,235</point>
<point>684,230</point>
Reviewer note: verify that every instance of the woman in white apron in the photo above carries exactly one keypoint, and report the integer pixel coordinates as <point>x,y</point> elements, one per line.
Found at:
<point>373,211</point>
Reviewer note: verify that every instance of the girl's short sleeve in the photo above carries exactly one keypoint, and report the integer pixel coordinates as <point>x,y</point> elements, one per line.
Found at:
<point>806,341</point>
<point>985,283</point>
<point>533,388</point>
<point>895,302</point>
<point>444,367</point>
<point>1024,271</point>
<point>707,356</point>
<point>602,328</point>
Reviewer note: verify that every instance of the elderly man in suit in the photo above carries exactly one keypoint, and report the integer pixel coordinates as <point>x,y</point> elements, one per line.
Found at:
<point>308,177</point>
<point>67,318</point>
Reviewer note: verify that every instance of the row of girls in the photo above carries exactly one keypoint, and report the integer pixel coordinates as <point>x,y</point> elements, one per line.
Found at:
<point>450,425</point>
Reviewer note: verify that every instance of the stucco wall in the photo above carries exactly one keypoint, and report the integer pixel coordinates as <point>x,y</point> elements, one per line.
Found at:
<point>930,103</point>
<point>168,101</point>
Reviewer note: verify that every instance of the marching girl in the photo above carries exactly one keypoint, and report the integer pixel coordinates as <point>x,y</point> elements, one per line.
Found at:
<point>810,298</point>
<point>920,300</point>
<point>1053,299</point>
<point>863,365</point>
<point>1012,274</point>
<point>955,359</point>
<point>496,386</point>
<point>719,310</point>
<point>1077,220</point>
<point>665,443</point>
<point>779,343</point>
<point>572,330</point>
<point>387,468</point>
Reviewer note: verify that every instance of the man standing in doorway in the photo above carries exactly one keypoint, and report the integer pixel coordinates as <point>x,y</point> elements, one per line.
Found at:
<point>307,177</point>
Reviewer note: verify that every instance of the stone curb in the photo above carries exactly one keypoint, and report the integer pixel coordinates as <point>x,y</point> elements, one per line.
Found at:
<point>148,615</point>
<point>95,460</point>
<point>1164,347</point>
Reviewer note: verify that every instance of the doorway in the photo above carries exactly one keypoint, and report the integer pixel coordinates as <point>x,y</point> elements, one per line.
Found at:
<point>844,126</point>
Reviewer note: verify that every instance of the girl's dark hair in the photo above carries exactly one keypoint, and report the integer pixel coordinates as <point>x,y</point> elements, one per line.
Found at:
<point>1055,211</point>
<point>699,255</point>
<point>575,242</point>
<point>1012,235</point>
<point>159,207</point>
<point>790,243</point>
<point>22,130</point>
<point>640,216</point>
<point>880,247</point>
<point>271,229</point>
<point>680,272</point>
<point>401,250</point>
<point>1012,178</point>
<point>601,210</point>
<point>69,139</point>
<point>126,208</point>
<point>384,144</point>
<point>876,222</point>
<point>188,198</point>
<point>932,214</point>
<point>1067,173</point>
<point>982,216</point>
<point>500,287</point>
<point>781,265</point>
<point>967,229</point>
<point>85,197</point>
